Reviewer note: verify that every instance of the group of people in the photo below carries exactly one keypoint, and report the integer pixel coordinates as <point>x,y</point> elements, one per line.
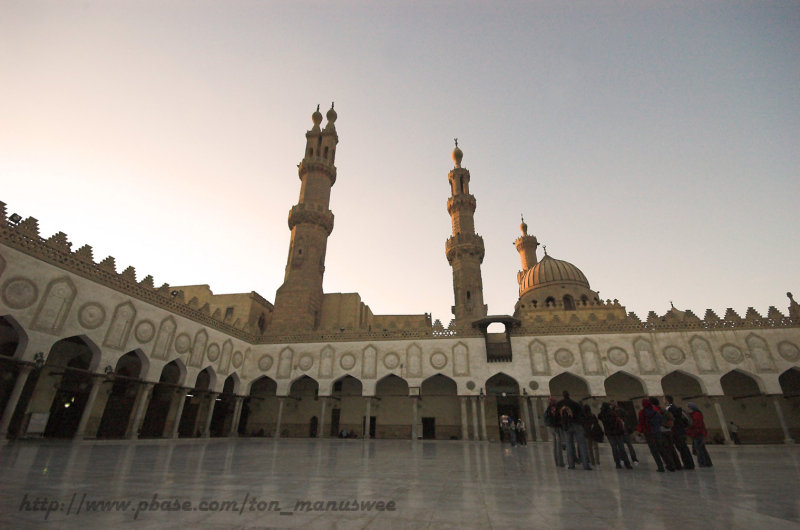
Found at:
<point>513,431</point>
<point>577,430</point>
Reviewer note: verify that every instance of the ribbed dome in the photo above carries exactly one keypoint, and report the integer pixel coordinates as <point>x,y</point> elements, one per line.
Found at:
<point>551,271</point>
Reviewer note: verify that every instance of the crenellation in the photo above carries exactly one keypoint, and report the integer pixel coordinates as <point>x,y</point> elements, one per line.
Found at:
<point>85,253</point>
<point>732,316</point>
<point>108,264</point>
<point>129,274</point>
<point>148,282</point>
<point>752,315</point>
<point>29,227</point>
<point>206,309</point>
<point>194,303</point>
<point>59,241</point>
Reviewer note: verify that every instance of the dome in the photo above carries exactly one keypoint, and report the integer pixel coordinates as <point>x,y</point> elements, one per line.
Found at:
<point>551,271</point>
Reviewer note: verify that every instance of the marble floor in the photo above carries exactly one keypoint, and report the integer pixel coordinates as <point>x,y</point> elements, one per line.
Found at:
<point>301,483</point>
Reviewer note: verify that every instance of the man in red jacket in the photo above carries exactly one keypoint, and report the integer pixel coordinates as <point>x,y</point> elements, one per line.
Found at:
<point>697,432</point>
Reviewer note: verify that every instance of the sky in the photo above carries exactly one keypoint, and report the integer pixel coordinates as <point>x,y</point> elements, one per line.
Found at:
<point>655,145</point>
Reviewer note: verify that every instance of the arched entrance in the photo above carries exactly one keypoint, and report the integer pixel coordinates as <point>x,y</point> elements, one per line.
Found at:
<point>439,409</point>
<point>744,403</point>
<point>502,397</point>
<point>392,410</point>
<point>682,386</point>
<point>119,407</point>
<point>196,406</point>
<point>789,402</point>
<point>67,373</point>
<point>260,409</point>
<point>347,411</point>
<point>627,391</point>
<point>222,418</point>
<point>168,387</point>
<point>301,408</point>
<point>12,343</point>
<point>578,388</point>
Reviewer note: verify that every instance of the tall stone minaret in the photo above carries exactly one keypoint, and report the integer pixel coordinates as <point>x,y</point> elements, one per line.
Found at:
<point>526,246</point>
<point>464,248</point>
<point>298,302</point>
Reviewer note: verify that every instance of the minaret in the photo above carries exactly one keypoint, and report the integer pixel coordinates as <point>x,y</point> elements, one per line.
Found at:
<point>526,246</point>
<point>298,302</point>
<point>464,248</point>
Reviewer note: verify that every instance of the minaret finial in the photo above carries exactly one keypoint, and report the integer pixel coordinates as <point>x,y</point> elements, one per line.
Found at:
<point>671,304</point>
<point>317,107</point>
<point>545,249</point>
<point>456,141</point>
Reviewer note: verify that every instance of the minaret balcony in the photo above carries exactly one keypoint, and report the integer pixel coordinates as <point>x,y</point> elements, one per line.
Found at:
<point>461,203</point>
<point>461,245</point>
<point>317,163</point>
<point>311,214</point>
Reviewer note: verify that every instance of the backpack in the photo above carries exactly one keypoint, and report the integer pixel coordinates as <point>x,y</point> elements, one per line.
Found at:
<point>566,417</point>
<point>655,419</point>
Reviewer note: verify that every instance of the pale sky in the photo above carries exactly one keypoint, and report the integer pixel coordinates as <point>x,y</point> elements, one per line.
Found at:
<point>655,145</point>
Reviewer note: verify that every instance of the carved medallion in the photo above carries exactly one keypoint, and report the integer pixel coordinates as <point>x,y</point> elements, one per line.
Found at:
<point>182,343</point>
<point>732,354</point>
<point>674,355</point>
<point>91,315</point>
<point>391,361</point>
<point>564,358</point>
<point>438,360</point>
<point>144,331</point>
<point>533,385</point>
<point>19,293</point>
<point>265,363</point>
<point>347,361</point>
<point>618,356</point>
<point>471,385</point>
<point>238,359</point>
<point>789,351</point>
<point>305,363</point>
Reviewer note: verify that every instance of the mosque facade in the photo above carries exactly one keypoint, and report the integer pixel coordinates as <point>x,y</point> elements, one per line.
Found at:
<point>88,352</point>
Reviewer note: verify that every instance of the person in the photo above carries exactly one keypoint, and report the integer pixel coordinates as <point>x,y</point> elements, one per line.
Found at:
<point>667,446</point>
<point>593,433</point>
<point>522,437</point>
<point>734,430</point>
<point>627,431</point>
<point>650,426</point>
<point>614,428</point>
<point>679,424</point>
<point>512,431</point>
<point>552,420</point>
<point>572,428</point>
<point>697,432</point>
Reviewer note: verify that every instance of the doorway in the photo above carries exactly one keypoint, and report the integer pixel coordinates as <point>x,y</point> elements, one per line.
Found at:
<point>428,428</point>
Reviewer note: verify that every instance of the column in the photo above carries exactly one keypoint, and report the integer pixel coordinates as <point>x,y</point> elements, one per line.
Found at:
<point>526,413</point>
<point>323,405</point>
<point>211,405</point>
<point>476,429</point>
<point>722,422</point>
<point>483,419</point>
<point>178,413</point>
<point>787,439</point>
<point>87,409</point>
<point>464,424</point>
<point>414,418</point>
<point>237,416</point>
<point>367,422</point>
<point>280,414</point>
<point>537,422</point>
<point>142,400</point>
<point>13,399</point>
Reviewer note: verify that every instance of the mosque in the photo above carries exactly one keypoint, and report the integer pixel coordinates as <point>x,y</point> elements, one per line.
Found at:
<point>87,352</point>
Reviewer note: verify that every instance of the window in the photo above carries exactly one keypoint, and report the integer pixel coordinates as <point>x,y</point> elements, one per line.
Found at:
<point>569,302</point>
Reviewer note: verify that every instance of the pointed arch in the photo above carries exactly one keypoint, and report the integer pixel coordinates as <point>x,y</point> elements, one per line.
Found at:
<point>347,385</point>
<point>438,384</point>
<point>78,350</point>
<point>232,384</point>
<point>133,364</point>
<point>500,383</point>
<point>264,385</point>
<point>790,382</point>
<point>740,383</point>
<point>622,385</point>
<point>391,385</point>
<point>303,384</point>
<point>577,386</point>
<point>206,379</point>
<point>13,339</point>
<point>682,384</point>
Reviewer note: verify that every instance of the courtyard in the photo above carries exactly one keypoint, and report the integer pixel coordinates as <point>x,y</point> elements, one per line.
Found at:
<point>335,483</point>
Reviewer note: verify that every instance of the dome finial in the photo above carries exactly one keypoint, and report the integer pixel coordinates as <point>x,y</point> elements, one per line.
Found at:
<point>458,154</point>
<point>316,117</point>
<point>545,249</point>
